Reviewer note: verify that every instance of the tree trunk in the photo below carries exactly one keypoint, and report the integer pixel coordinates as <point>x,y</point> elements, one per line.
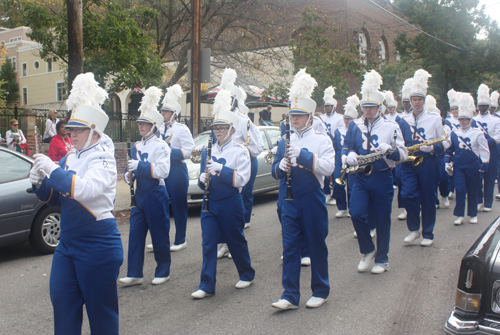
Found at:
<point>75,40</point>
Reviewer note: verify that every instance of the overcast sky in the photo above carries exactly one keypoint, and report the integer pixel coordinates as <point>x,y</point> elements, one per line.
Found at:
<point>492,8</point>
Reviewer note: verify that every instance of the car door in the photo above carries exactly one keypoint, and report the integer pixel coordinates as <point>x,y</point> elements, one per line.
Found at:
<point>16,205</point>
<point>264,180</point>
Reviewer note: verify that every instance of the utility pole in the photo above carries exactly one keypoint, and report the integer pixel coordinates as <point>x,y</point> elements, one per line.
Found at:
<point>75,40</point>
<point>195,65</point>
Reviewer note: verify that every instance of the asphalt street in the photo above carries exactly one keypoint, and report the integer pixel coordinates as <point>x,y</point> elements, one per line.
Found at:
<point>415,296</point>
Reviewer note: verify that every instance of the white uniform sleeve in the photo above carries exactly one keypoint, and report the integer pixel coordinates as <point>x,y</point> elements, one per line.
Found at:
<point>496,134</point>
<point>99,177</point>
<point>484,151</point>
<point>187,143</point>
<point>242,170</point>
<point>325,162</point>
<point>440,134</point>
<point>161,164</point>
<point>400,145</point>
<point>256,144</point>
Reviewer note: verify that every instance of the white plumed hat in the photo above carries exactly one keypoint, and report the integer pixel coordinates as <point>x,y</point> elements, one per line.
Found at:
<point>328,97</point>
<point>466,106</point>
<point>494,99</point>
<point>389,99</point>
<point>419,85</point>
<point>405,91</point>
<point>431,105</point>
<point>227,83</point>
<point>453,98</point>
<point>300,93</point>
<point>149,105</point>
<point>222,110</point>
<point>171,98</point>
<point>85,101</point>
<point>483,95</point>
<point>370,94</point>
<point>351,107</point>
<point>241,102</point>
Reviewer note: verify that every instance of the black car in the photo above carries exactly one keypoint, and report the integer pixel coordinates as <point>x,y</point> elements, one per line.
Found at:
<point>477,306</point>
<point>22,216</point>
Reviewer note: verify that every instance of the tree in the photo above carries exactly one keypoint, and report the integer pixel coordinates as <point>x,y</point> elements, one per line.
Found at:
<point>9,84</point>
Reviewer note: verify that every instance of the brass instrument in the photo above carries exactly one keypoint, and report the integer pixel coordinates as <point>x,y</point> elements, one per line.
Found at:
<point>417,160</point>
<point>171,134</point>
<point>269,158</point>
<point>196,156</point>
<point>364,161</point>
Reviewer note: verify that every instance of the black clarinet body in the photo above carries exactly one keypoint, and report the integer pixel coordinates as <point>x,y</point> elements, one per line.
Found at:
<point>207,173</point>
<point>132,179</point>
<point>289,195</point>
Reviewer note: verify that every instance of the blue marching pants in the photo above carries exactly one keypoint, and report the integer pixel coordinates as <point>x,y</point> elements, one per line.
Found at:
<point>489,179</point>
<point>305,216</point>
<point>85,268</point>
<point>397,176</point>
<point>339,190</point>
<point>419,193</point>
<point>451,184</point>
<point>326,188</point>
<point>225,218</point>
<point>467,182</point>
<point>443,183</point>
<point>376,192</point>
<point>247,192</point>
<point>177,188</point>
<point>150,214</point>
<point>304,249</point>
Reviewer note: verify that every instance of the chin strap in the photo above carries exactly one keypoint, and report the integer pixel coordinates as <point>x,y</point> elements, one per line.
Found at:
<point>89,139</point>
<point>306,126</point>
<point>228,133</point>
<point>468,126</point>
<point>153,128</point>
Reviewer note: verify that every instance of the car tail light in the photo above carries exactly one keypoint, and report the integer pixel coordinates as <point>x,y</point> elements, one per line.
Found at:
<point>468,302</point>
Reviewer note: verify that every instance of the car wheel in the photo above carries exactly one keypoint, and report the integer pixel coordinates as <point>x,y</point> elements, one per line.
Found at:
<point>46,230</point>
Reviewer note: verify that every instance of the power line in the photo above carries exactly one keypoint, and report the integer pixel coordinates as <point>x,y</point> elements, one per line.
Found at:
<point>420,30</point>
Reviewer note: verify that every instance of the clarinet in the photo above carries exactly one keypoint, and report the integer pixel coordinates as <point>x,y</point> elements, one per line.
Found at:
<point>207,173</point>
<point>132,177</point>
<point>289,195</point>
<point>37,151</point>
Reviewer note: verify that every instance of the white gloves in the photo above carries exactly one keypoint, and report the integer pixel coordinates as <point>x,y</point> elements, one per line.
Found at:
<point>132,165</point>
<point>201,147</point>
<point>383,147</point>
<point>427,148</point>
<point>449,168</point>
<point>344,159</point>
<point>274,150</point>
<point>127,177</point>
<point>35,177</point>
<point>44,163</point>
<point>214,167</point>
<point>294,151</point>
<point>203,178</point>
<point>283,165</point>
<point>352,159</point>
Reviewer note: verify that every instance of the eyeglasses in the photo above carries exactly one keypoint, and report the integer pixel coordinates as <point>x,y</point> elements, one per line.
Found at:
<point>15,125</point>
<point>76,130</point>
<point>220,129</point>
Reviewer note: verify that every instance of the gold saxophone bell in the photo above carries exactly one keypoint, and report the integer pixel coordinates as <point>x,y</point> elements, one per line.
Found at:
<point>341,180</point>
<point>196,156</point>
<point>415,160</point>
<point>269,158</point>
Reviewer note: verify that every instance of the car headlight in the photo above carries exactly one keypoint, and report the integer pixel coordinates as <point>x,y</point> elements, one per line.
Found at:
<point>194,174</point>
<point>468,302</point>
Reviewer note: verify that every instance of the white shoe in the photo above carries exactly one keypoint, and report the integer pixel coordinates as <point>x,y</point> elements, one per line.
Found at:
<point>341,213</point>
<point>394,187</point>
<point>284,305</point>
<point>247,225</point>
<point>332,202</point>
<point>243,284</point>
<point>177,247</point>
<point>223,251</point>
<point>446,202</point>
<point>149,248</point>
<point>459,221</point>
<point>426,242</point>
<point>200,294</point>
<point>282,258</point>
<point>355,234</point>
<point>486,209</point>
<point>328,197</point>
<point>365,261</point>
<point>497,196</point>
<point>160,280</point>
<point>412,237</point>
<point>314,302</point>
<point>403,215</point>
<point>380,268</point>
<point>305,261</point>
<point>473,219</point>
<point>131,281</point>
<point>229,255</point>
<point>437,206</point>
<point>480,207</point>
<point>373,233</point>
<point>451,195</point>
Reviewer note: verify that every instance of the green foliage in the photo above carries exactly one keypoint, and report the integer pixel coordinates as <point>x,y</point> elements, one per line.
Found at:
<point>8,84</point>
<point>115,48</point>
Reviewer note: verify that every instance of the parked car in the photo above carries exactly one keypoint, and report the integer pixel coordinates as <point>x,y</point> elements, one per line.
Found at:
<point>477,305</point>
<point>22,216</point>
<point>264,181</point>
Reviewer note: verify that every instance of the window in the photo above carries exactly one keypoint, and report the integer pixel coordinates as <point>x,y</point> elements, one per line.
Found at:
<point>36,65</point>
<point>264,139</point>
<point>13,61</point>
<point>363,47</point>
<point>13,167</point>
<point>61,91</point>
<point>49,65</point>
<point>25,95</point>
<point>381,50</point>
<point>15,39</point>
<point>25,69</point>
<point>274,137</point>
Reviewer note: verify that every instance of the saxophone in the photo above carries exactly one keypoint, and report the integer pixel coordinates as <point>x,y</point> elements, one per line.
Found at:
<point>417,160</point>
<point>171,134</point>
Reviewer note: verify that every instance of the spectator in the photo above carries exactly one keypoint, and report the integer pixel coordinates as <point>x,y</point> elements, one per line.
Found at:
<point>15,137</point>
<point>50,126</point>
<point>61,143</point>
<point>265,117</point>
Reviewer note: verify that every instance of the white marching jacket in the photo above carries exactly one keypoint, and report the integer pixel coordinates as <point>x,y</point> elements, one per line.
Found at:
<point>489,125</point>
<point>424,128</point>
<point>240,136</point>
<point>332,122</point>
<point>468,141</point>
<point>181,143</point>
<point>153,155</point>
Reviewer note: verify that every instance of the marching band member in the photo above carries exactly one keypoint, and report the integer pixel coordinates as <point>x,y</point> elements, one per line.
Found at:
<point>490,126</point>
<point>405,98</point>
<point>150,164</point>
<point>311,160</point>
<point>107,143</point>
<point>392,104</point>
<point>420,183</point>
<point>87,260</point>
<point>228,171</point>
<point>470,154</point>
<point>339,191</point>
<point>451,123</point>
<point>375,134</point>
<point>494,103</point>
<point>181,143</point>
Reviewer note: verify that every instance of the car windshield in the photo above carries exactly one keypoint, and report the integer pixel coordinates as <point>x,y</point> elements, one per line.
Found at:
<point>201,139</point>
<point>13,167</point>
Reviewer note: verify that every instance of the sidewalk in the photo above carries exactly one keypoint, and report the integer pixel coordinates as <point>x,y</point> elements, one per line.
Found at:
<point>122,200</point>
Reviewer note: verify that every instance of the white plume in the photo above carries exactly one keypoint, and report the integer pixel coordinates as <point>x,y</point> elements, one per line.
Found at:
<point>420,80</point>
<point>227,79</point>
<point>483,93</point>
<point>466,102</point>
<point>99,97</point>
<point>405,92</point>
<point>84,91</point>
<point>430,103</point>
<point>389,97</point>
<point>222,102</point>
<point>302,86</point>
<point>243,95</point>
<point>329,93</point>
<point>173,94</point>
<point>150,99</point>
<point>452,95</point>
<point>371,83</point>
<point>494,98</point>
<point>352,103</point>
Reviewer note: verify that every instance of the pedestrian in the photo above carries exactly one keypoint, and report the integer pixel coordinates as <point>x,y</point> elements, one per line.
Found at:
<point>14,137</point>
<point>50,126</point>
<point>61,143</point>
<point>265,116</point>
